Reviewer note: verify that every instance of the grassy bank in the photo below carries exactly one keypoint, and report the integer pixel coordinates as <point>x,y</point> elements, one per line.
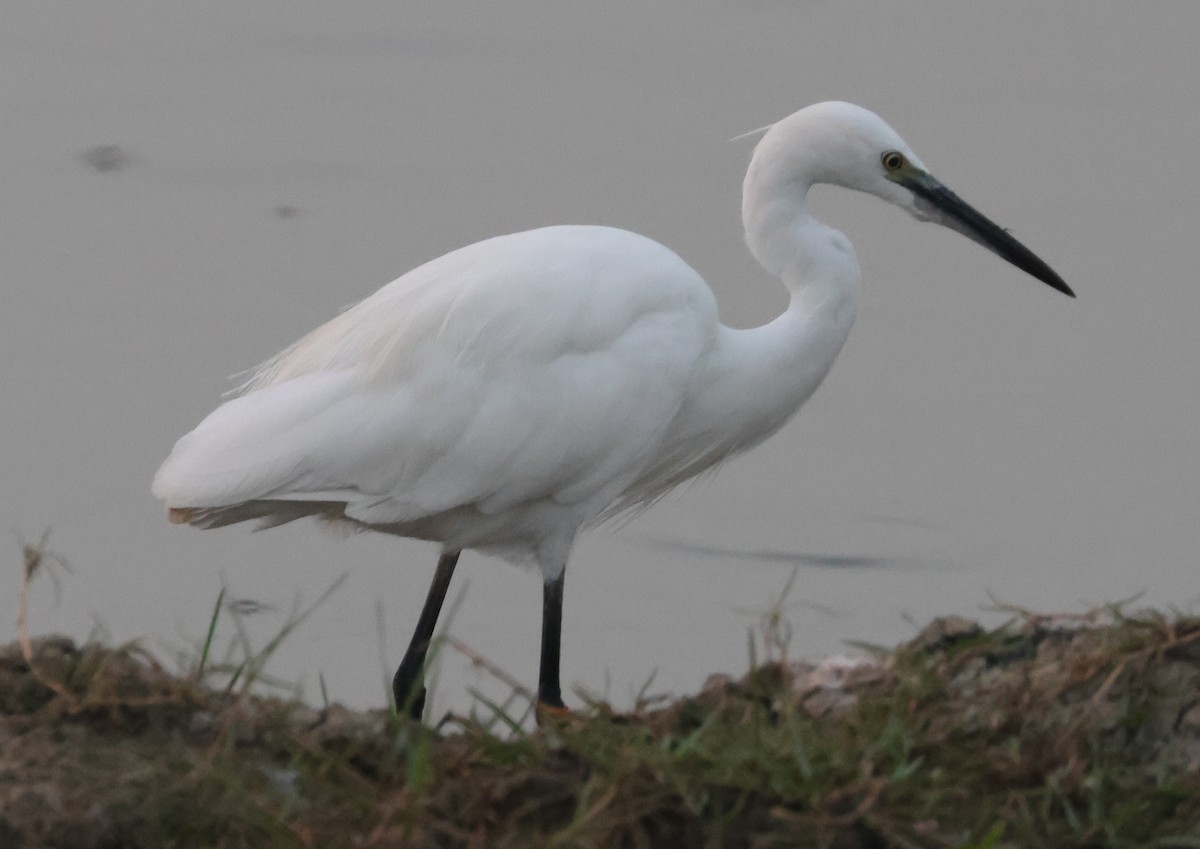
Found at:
<point>1081,732</point>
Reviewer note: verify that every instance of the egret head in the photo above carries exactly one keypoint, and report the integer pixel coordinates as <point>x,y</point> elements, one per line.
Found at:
<point>846,145</point>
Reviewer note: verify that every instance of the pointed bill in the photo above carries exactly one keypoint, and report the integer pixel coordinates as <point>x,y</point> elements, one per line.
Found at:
<point>937,203</point>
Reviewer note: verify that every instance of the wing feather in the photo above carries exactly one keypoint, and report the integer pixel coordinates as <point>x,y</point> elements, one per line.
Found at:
<point>541,365</point>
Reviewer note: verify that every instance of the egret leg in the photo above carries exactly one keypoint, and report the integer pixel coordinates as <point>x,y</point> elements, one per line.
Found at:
<point>549,691</point>
<point>408,686</point>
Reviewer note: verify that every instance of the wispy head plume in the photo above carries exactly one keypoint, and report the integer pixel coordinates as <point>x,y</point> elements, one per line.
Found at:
<point>754,132</point>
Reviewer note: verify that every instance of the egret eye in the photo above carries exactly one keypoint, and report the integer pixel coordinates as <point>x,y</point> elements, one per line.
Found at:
<point>893,161</point>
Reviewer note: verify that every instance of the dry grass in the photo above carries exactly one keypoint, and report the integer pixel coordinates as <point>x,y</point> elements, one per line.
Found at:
<point>1050,732</point>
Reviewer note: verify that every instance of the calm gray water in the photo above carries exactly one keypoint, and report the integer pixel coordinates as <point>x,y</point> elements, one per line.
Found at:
<point>274,161</point>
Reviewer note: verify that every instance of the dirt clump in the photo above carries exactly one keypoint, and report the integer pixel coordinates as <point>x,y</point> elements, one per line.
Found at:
<point>1051,731</point>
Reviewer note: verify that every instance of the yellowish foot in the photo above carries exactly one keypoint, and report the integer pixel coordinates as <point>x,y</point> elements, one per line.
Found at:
<point>552,713</point>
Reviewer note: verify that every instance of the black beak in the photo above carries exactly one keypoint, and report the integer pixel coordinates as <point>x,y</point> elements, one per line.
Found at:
<point>938,203</point>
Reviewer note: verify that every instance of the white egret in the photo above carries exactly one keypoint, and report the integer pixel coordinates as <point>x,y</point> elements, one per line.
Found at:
<point>512,392</point>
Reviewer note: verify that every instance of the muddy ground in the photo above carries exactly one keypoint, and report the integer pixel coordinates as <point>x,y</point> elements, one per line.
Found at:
<point>1063,732</point>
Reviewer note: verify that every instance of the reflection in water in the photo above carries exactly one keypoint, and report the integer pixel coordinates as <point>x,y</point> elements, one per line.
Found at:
<point>248,607</point>
<point>899,521</point>
<point>824,561</point>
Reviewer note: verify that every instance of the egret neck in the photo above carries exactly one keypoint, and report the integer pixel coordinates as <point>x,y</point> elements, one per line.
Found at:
<point>767,372</point>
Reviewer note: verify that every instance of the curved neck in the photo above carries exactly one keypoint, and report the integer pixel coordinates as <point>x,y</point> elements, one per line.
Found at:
<point>773,369</point>
<point>781,232</point>
<point>754,380</point>
<point>815,262</point>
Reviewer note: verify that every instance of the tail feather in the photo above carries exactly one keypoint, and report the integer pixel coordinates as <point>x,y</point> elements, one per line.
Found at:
<point>268,513</point>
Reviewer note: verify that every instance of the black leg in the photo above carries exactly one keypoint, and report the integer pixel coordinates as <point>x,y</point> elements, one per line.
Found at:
<point>549,691</point>
<point>408,687</point>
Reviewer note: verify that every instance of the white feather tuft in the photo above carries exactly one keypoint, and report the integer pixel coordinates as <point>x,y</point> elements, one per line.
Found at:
<point>759,131</point>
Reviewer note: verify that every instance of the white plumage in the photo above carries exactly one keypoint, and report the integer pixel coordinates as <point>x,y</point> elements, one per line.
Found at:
<point>471,401</point>
<point>507,394</point>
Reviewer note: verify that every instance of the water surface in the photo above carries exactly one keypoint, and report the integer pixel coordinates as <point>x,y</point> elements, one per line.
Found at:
<point>185,189</point>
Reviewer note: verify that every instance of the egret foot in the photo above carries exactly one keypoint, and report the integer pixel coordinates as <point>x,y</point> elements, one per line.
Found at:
<point>547,713</point>
<point>408,700</point>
